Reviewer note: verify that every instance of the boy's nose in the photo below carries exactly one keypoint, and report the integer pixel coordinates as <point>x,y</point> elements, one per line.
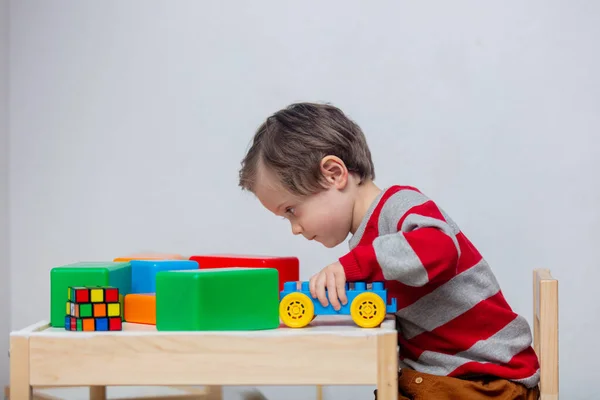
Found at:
<point>296,229</point>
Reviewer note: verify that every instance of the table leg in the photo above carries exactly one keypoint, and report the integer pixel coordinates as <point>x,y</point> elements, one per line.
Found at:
<point>214,393</point>
<point>387,367</point>
<point>97,392</point>
<point>19,369</point>
<point>319,392</point>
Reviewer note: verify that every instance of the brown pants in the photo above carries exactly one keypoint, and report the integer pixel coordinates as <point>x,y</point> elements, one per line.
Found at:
<point>414,385</point>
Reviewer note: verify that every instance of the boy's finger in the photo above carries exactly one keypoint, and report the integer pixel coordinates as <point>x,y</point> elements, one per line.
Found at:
<point>333,295</point>
<point>312,286</point>
<point>320,286</point>
<point>341,290</point>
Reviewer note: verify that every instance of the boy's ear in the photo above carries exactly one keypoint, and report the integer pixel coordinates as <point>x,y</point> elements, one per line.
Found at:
<point>334,171</point>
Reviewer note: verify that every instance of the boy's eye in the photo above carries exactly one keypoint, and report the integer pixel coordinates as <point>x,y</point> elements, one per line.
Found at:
<point>289,210</point>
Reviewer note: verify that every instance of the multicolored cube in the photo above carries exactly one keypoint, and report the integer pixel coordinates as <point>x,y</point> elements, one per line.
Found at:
<point>95,308</point>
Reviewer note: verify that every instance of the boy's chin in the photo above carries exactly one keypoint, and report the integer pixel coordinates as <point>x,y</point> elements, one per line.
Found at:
<point>330,244</point>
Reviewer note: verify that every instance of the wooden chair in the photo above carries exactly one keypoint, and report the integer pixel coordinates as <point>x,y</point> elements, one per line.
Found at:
<point>545,331</point>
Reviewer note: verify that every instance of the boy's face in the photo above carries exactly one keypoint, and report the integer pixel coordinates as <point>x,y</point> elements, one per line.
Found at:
<point>325,217</point>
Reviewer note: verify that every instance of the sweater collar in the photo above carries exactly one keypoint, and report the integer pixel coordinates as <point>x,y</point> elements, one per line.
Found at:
<point>355,239</point>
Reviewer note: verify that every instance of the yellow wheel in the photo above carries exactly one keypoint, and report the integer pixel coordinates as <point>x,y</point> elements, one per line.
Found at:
<point>296,310</point>
<point>368,310</point>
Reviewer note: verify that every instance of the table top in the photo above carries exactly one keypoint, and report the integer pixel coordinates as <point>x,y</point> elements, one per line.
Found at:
<point>340,325</point>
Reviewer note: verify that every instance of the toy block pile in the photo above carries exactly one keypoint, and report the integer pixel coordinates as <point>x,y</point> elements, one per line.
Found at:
<point>175,293</point>
<point>93,309</point>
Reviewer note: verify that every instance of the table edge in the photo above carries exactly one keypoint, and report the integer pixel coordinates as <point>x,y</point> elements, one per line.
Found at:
<point>40,329</point>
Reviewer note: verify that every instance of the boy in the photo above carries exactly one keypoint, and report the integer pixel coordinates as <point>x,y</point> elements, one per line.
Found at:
<point>458,338</point>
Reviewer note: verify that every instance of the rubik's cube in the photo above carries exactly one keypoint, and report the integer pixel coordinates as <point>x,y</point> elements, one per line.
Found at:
<point>95,308</point>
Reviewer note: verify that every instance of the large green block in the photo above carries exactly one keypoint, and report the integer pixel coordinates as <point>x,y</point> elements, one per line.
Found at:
<point>224,299</point>
<point>116,274</point>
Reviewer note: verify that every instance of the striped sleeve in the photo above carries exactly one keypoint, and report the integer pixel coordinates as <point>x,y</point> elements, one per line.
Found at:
<point>414,244</point>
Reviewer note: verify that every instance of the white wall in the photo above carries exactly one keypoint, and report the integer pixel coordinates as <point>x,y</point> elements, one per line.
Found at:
<point>129,119</point>
<point>4,266</point>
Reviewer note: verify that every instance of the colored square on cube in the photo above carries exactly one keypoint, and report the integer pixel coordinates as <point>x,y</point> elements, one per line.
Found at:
<point>149,256</point>
<point>100,310</point>
<point>102,324</point>
<point>85,274</point>
<point>143,272</point>
<point>88,324</point>
<point>223,299</point>
<point>85,310</point>
<point>78,294</point>
<point>288,267</point>
<point>113,309</point>
<point>115,324</point>
<point>111,295</point>
<point>140,308</point>
<point>97,295</point>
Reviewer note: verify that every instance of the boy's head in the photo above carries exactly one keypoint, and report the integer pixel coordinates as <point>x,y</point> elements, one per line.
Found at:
<point>306,163</point>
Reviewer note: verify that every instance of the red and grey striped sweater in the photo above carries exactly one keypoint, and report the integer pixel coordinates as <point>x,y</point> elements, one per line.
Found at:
<point>453,318</point>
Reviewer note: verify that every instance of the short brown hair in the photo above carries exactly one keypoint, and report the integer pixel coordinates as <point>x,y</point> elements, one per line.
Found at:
<point>292,142</point>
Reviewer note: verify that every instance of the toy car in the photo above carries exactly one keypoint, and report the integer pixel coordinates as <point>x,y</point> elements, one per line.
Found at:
<point>366,305</point>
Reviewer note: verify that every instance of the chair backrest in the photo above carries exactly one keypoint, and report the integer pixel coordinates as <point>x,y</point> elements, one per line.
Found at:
<point>545,331</point>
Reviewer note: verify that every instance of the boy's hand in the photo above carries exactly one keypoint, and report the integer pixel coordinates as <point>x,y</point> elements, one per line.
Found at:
<point>333,278</point>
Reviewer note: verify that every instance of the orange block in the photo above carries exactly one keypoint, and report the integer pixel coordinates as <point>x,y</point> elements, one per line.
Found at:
<point>140,308</point>
<point>149,256</point>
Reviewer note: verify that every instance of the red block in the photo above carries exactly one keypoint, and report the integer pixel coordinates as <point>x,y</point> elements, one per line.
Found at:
<point>288,267</point>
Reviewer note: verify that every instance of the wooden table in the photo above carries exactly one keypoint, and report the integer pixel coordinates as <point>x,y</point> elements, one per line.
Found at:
<point>331,351</point>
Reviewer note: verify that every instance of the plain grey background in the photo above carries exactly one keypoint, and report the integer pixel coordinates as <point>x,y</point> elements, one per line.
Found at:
<point>127,122</point>
<point>4,266</point>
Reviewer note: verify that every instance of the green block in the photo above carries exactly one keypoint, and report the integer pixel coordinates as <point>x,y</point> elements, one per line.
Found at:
<point>220,299</point>
<point>79,324</point>
<point>116,274</point>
